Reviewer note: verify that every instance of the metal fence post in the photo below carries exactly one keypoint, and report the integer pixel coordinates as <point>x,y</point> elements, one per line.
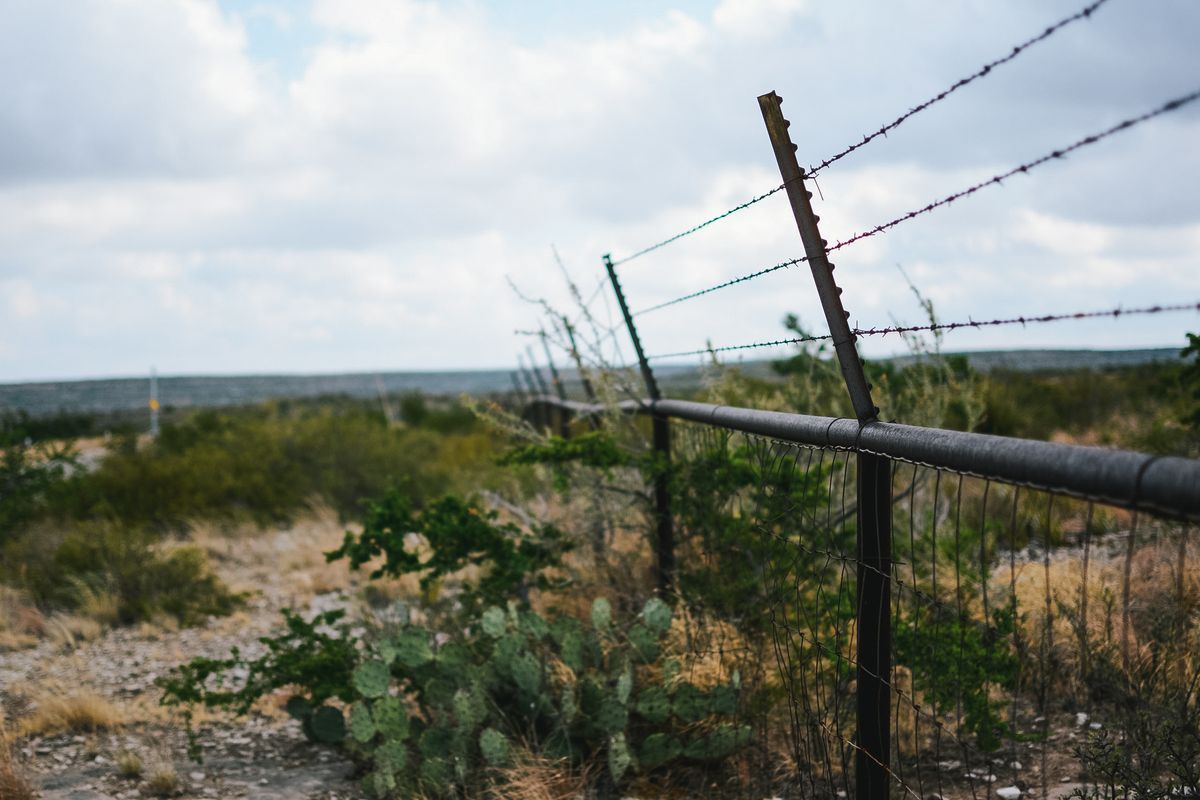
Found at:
<point>583,378</point>
<point>564,420</point>
<point>538,411</point>
<point>874,557</point>
<point>664,525</point>
<point>517,390</point>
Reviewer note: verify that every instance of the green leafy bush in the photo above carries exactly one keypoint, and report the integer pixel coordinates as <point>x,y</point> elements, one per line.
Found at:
<point>459,533</point>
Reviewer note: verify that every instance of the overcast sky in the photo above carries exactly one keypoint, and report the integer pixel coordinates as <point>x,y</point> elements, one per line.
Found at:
<point>231,186</point>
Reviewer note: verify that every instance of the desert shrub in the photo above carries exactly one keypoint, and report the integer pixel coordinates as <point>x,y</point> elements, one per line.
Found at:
<point>29,476</point>
<point>458,533</point>
<point>60,567</point>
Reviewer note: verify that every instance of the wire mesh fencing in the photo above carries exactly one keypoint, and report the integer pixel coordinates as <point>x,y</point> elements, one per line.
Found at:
<point>1037,644</point>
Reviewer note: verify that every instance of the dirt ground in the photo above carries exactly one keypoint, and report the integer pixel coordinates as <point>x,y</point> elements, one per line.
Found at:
<point>263,755</point>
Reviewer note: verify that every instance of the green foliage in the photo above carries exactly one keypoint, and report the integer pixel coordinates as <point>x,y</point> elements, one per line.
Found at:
<point>459,534</point>
<point>59,566</point>
<point>596,449</point>
<point>437,725</point>
<point>1189,378</point>
<point>29,476</point>
<point>957,660</point>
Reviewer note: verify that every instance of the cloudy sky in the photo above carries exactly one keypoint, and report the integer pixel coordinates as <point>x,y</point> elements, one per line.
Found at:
<point>229,186</point>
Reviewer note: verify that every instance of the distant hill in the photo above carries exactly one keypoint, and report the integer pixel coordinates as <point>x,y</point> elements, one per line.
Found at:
<point>124,394</point>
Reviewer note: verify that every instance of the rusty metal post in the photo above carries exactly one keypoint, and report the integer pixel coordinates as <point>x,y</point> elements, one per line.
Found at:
<point>664,524</point>
<point>564,419</point>
<point>537,410</point>
<point>874,557</point>
<point>583,378</point>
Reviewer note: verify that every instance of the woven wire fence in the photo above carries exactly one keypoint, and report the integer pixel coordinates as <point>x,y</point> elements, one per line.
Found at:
<point>1027,629</point>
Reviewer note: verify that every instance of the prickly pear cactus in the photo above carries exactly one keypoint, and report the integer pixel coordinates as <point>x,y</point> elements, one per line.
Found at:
<point>362,727</point>
<point>656,615</point>
<point>494,622</point>
<point>619,757</point>
<point>409,648</point>
<point>658,749</point>
<point>327,725</point>
<point>493,745</point>
<point>299,708</point>
<point>371,678</point>
<point>391,718</point>
<point>653,705</point>
<point>601,615</point>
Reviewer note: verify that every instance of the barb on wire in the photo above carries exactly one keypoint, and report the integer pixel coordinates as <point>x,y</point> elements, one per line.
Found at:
<point>946,326</point>
<point>618,262</point>
<point>986,69</point>
<point>751,276</point>
<point>1172,105</point>
<point>970,323</point>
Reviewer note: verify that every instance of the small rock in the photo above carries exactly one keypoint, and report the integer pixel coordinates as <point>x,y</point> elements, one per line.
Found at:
<point>196,776</point>
<point>262,781</point>
<point>1008,793</point>
<point>1016,765</point>
<point>1081,719</point>
<point>1095,726</point>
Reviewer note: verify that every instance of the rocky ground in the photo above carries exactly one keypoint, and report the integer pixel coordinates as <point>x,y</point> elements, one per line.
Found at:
<point>262,756</point>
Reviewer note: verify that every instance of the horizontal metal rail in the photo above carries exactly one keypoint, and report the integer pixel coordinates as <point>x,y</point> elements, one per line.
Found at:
<point>1166,485</point>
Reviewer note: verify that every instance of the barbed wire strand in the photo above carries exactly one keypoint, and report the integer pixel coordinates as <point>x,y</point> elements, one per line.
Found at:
<point>986,69</point>
<point>751,276</point>
<point>1025,168</point>
<point>1022,169</point>
<point>946,326</point>
<point>701,226</point>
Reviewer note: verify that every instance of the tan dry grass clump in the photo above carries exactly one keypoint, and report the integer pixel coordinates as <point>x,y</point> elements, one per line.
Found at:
<point>14,783</point>
<point>79,712</point>
<point>534,777</point>
<point>21,623</point>
<point>162,779</point>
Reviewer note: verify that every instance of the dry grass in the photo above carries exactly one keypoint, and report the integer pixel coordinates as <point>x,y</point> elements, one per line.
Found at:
<point>80,712</point>
<point>21,623</point>
<point>69,631</point>
<point>162,779</point>
<point>534,777</point>
<point>129,765</point>
<point>14,783</point>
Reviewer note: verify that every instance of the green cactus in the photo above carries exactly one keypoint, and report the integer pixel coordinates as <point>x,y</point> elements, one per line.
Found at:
<point>437,774</point>
<point>494,746</point>
<point>299,708</point>
<point>720,742</point>
<point>653,705</point>
<point>362,727</point>
<point>494,622</point>
<point>658,749</point>
<point>723,700</point>
<point>435,742</point>
<point>533,626</point>
<point>689,703</point>
<point>409,648</point>
<point>380,783</point>
<point>645,643</point>
<point>656,615</point>
<point>601,615</point>
<point>571,650</point>
<point>470,708</point>
<point>624,686</point>
<point>619,757</point>
<point>327,725</point>
<point>391,718</point>
<point>371,678</point>
<point>391,757</point>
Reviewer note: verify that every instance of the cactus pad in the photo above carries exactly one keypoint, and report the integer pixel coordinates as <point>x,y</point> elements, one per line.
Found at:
<point>689,703</point>
<point>619,757</point>
<point>658,749</point>
<point>371,678</point>
<point>494,746</point>
<point>391,718</point>
<point>327,725</point>
<point>653,705</point>
<point>656,615</point>
<point>362,727</point>
<point>391,757</point>
<point>601,615</point>
<point>410,648</point>
<point>493,622</point>
<point>299,707</point>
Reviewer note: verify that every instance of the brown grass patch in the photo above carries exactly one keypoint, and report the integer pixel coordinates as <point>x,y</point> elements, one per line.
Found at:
<point>534,777</point>
<point>21,623</point>
<point>14,784</point>
<point>80,712</point>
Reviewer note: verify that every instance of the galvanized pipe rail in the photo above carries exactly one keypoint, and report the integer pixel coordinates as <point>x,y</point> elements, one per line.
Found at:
<point>1165,485</point>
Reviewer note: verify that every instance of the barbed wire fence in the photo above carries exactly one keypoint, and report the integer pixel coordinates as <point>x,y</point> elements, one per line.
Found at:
<point>949,615</point>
